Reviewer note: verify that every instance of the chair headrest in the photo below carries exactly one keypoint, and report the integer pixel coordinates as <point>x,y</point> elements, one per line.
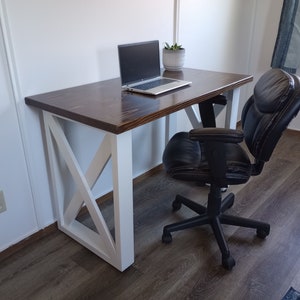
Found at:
<point>272,90</point>
<point>267,113</point>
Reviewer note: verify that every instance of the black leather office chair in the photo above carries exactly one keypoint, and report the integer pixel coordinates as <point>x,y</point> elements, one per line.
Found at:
<point>213,156</point>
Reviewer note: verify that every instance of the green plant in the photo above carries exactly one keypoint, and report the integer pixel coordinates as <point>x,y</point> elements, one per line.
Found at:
<point>173,47</point>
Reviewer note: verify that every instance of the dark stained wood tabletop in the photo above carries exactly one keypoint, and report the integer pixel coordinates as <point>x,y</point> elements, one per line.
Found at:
<point>106,106</point>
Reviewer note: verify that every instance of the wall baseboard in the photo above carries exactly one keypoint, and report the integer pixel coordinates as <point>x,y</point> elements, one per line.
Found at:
<point>54,227</point>
<point>29,240</point>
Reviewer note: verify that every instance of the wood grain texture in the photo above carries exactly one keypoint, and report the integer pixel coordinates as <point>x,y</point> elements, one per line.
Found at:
<point>56,267</point>
<point>106,106</point>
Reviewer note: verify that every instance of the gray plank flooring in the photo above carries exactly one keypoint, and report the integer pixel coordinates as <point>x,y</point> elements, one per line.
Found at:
<point>56,267</point>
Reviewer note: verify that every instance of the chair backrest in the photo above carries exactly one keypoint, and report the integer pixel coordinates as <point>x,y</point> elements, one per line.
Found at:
<point>274,103</point>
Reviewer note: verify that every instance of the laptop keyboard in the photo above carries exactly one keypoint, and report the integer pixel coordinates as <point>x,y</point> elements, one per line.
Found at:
<point>152,84</point>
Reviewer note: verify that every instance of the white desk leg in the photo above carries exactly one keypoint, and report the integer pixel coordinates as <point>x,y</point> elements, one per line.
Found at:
<point>171,126</point>
<point>118,250</point>
<point>193,116</point>
<point>233,98</point>
<point>123,198</point>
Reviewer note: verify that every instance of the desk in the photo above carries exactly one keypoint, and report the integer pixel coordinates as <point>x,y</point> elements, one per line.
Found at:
<point>105,106</point>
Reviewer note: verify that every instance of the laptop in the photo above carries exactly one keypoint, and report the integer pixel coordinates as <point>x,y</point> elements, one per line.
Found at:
<point>140,69</point>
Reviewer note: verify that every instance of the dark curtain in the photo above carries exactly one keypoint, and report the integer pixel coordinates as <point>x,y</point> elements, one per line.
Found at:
<point>286,53</point>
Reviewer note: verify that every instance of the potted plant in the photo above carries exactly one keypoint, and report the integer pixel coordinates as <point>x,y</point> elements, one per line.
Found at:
<point>173,57</point>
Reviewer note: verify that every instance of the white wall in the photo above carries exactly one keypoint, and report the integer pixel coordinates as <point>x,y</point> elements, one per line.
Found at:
<point>232,36</point>
<point>220,38</point>
<point>56,44</point>
<point>19,219</point>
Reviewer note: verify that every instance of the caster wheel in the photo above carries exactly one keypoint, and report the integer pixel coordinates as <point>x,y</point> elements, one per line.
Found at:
<point>176,205</point>
<point>166,238</point>
<point>263,232</point>
<point>228,262</point>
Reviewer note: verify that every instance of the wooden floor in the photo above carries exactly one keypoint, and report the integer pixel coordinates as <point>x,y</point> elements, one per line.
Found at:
<point>56,267</point>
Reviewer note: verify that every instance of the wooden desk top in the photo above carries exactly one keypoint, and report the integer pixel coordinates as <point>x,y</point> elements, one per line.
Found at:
<point>106,106</point>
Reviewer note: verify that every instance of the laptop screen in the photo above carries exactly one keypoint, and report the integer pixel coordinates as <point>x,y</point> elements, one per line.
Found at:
<point>139,61</point>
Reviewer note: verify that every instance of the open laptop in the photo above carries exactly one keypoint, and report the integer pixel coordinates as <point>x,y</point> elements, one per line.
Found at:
<point>140,69</point>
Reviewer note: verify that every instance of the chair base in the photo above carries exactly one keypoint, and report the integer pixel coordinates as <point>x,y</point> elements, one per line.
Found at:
<point>214,216</point>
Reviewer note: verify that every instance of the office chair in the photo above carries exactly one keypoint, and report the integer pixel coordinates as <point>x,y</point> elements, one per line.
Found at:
<point>215,157</point>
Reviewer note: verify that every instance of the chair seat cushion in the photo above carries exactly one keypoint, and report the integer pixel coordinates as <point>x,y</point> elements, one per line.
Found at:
<point>184,159</point>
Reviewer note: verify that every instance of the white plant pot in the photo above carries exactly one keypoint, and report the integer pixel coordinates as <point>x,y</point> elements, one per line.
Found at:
<point>173,60</point>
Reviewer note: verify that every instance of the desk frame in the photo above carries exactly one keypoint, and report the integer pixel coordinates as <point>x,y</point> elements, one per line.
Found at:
<point>117,250</point>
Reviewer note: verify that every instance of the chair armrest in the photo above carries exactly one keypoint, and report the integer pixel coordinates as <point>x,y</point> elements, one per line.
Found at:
<point>214,140</point>
<point>223,135</point>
